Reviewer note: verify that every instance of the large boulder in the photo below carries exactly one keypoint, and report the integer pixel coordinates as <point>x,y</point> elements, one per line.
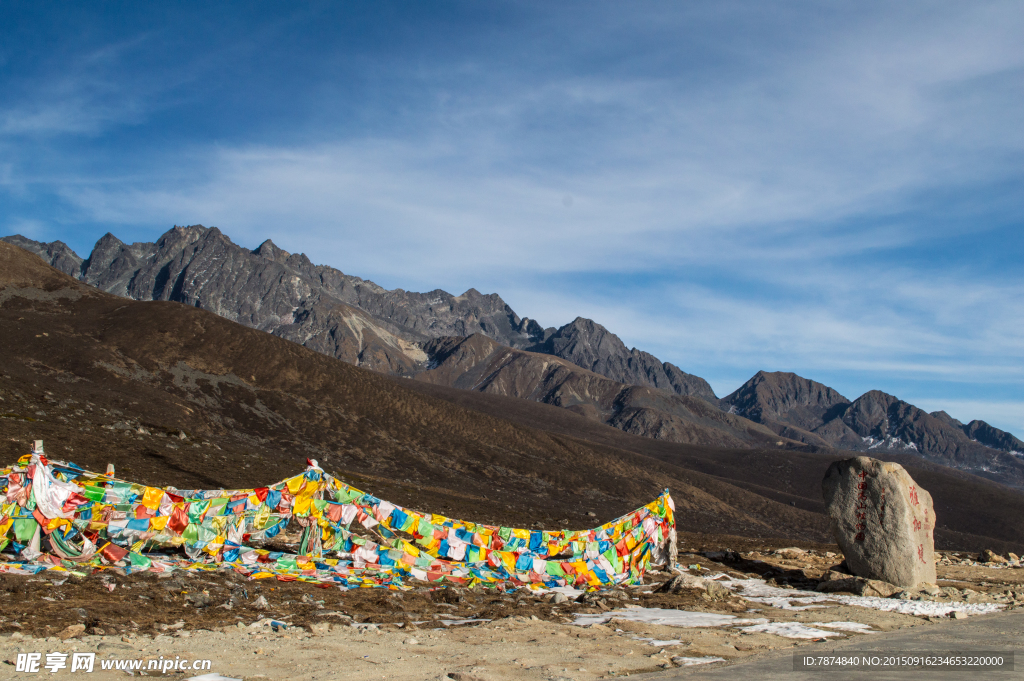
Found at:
<point>681,582</point>
<point>882,520</point>
<point>990,556</point>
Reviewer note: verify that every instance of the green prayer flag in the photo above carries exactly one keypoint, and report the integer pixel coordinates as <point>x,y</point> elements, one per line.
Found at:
<point>195,511</point>
<point>138,560</point>
<point>25,528</point>
<point>346,495</point>
<point>191,533</point>
<point>94,493</point>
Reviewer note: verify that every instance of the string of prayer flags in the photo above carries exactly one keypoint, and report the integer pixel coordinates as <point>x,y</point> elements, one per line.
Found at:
<point>56,516</point>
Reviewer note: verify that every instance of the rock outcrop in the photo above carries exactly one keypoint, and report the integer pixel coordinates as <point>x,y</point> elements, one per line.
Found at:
<point>882,520</point>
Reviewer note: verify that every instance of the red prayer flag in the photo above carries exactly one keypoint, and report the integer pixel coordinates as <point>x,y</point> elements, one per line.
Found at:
<point>179,519</point>
<point>113,552</point>
<point>74,501</point>
<point>41,519</point>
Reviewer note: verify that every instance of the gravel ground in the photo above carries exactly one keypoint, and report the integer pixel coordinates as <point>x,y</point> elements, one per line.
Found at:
<point>416,634</point>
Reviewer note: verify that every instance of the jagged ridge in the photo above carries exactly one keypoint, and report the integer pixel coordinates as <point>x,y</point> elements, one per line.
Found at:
<point>810,412</point>
<point>436,336</point>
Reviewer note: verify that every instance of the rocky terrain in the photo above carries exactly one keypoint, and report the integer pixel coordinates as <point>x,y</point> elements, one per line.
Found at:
<point>318,306</point>
<point>269,629</point>
<point>477,342</point>
<point>176,395</point>
<point>172,394</point>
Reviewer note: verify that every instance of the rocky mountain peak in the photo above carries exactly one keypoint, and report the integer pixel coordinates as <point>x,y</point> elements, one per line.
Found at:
<point>943,416</point>
<point>269,250</point>
<point>785,397</point>
<point>993,437</point>
<point>588,344</point>
<point>58,254</point>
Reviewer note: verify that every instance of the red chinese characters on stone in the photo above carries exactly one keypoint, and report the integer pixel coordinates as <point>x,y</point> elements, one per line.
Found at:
<point>913,496</point>
<point>917,524</point>
<point>861,506</point>
<point>920,552</point>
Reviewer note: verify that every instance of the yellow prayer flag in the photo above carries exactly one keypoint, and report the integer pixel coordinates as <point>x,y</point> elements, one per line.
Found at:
<point>303,504</point>
<point>152,497</point>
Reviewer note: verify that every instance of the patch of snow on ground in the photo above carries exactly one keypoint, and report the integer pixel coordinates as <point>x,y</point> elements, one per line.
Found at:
<point>656,643</point>
<point>671,618</point>
<point>855,627</point>
<point>691,661</point>
<point>455,623</point>
<point>790,599</point>
<point>788,630</point>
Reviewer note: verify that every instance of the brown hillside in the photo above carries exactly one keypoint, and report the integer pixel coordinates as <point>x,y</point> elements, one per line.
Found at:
<point>972,511</point>
<point>103,379</point>
<point>175,395</point>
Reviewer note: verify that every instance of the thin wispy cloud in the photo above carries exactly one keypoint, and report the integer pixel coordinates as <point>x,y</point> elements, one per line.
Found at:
<point>829,190</point>
<point>87,96</point>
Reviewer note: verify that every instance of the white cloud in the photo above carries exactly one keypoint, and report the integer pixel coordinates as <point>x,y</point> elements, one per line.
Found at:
<point>742,191</point>
<point>33,229</point>
<point>86,97</point>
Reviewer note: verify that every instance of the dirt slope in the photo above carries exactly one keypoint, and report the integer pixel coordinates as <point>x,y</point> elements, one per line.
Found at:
<point>176,395</point>
<point>102,379</point>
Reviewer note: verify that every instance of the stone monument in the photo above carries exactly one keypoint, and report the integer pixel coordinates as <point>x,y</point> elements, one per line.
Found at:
<point>882,520</point>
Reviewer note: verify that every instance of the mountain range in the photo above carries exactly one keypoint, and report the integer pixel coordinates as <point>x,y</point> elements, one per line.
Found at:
<point>477,342</point>
<point>175,395</point>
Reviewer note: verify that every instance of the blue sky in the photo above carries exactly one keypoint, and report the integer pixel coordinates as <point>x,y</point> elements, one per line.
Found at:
<point>834,189</point>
